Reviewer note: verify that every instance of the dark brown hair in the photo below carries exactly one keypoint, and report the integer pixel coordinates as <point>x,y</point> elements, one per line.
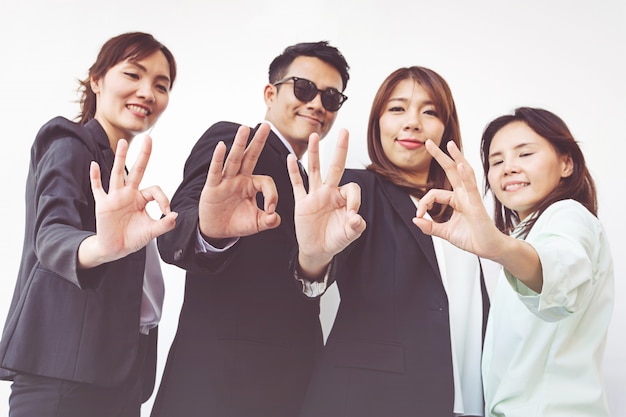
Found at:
<point>578,186</point>
<point>439,92</point>
<point>132,46</point>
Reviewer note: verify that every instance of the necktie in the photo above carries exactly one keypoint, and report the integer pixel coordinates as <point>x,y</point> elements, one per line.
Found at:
<point>304,175</point>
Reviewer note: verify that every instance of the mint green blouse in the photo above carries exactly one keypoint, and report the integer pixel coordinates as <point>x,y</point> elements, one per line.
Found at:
<point>543,352</point>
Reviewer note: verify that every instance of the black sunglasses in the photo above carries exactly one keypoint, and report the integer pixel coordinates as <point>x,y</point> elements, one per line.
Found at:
<point>306,90</point>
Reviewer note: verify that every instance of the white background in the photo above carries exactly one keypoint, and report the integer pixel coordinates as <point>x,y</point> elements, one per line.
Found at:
<point>564,55</point>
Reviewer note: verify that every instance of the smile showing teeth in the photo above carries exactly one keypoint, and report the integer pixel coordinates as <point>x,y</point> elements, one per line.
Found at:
<point>516,186</point>
<point>138,109</point>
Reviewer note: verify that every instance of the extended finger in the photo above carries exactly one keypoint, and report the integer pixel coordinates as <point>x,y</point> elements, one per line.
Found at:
<point>458,157</point>
<point>96,181</point>
<point>447,163</point>
<point>313,159</point>
<point>338,163</point>
<point>139,167</point>
<point>214,176</point>
<point>117,172</point>
<point>466,173</point>
<point>235,155</point>
<point>296,179</point>
<point>254,149</point>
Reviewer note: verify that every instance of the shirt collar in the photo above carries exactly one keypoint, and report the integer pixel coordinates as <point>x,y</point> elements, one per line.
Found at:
<point>281,137</point>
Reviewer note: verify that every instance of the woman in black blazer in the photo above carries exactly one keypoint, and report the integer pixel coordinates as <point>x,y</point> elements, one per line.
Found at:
<point>407,337</point>
<point>80,336</point>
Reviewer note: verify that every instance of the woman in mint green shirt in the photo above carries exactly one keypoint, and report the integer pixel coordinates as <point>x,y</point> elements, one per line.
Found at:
<point>551,308</point>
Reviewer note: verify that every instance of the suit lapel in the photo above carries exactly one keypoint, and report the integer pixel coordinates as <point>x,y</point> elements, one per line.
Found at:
<point>404,207</point>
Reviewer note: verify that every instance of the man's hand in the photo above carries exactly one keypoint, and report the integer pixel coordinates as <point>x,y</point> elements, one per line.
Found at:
<point>228,206</point>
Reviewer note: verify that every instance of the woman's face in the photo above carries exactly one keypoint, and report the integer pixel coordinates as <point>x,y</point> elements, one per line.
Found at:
<point>524,168</point>
<point>132,95</point>
<point>408,119</point>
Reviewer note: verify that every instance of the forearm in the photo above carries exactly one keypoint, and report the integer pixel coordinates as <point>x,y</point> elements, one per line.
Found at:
<point>521,260</point>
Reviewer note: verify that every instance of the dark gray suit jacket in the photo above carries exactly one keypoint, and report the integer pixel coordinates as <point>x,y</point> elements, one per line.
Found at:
<point>389,351</point>
<point>80,325</point>
<point>246,336</point>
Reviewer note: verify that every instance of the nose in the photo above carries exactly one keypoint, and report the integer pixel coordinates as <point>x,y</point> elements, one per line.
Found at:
<point>146,92</point>
<point>412,121</point>
<point>316,102</point>
<point>510,167</point>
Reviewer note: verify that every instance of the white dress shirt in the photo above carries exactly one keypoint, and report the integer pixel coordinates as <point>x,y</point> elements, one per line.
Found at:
<point>153,290</point>
<point>460,273</point>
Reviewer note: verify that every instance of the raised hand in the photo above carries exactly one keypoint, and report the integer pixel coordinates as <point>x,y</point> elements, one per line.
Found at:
<point>470,227</point>
<point>326,218</point>
<point>228,206</point>
<point>123,225</point>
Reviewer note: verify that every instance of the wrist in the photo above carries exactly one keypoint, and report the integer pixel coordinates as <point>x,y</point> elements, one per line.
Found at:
<point>313,269</point>
<point>89,255</point>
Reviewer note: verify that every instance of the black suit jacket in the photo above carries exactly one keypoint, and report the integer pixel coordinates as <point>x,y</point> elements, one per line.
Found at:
<point>246,336</point>
<point>80,325</point>
<point>389,351</point>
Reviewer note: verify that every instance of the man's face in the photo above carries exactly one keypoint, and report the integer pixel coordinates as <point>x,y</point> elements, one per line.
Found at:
<point>294,119</point>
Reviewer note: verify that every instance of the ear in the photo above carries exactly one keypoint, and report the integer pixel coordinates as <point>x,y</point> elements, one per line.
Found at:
<point>269,94</point>
<point>567,166</point>
<point>95,85</point>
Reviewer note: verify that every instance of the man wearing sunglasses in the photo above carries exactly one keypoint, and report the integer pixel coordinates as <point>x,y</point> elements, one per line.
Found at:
<point>246,338</point>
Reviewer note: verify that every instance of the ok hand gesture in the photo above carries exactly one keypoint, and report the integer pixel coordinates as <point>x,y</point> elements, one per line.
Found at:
<point>326,218</point>
<point>123,225</point>
<point>228,206</point>
<point>470,227</point>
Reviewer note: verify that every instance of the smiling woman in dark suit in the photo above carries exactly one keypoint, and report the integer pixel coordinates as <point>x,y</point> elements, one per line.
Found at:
<point>80,337</point>
<point>407,337</point>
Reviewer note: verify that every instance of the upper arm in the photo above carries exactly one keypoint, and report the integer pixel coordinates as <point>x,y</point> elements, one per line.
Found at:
<point>60,203</point>
<point>566,241</point>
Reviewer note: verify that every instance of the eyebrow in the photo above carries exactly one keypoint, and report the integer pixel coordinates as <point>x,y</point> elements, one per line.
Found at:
<point>406,100</point>
<point>144,69</point>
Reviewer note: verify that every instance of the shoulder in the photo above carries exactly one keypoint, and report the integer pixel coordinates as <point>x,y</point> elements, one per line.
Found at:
<point>221,131</point>
<point>64,134</point>
<point>363,177</point>
<point>371,183</point>
<point>567,219</point>
<point>566,212</point>
<point>61,127</point>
